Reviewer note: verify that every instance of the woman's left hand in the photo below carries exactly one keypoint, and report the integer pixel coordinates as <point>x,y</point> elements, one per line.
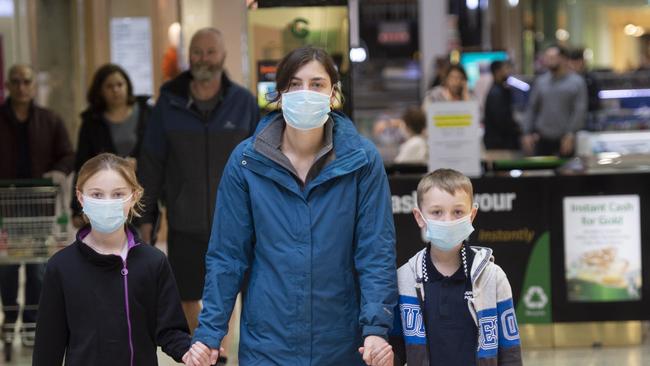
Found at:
<point>376,352</point>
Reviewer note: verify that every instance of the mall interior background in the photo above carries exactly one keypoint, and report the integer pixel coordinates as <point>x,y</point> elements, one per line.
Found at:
<point>66,40</point>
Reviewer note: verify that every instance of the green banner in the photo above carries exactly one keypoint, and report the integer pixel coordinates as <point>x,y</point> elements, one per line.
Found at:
<point>534,305</point>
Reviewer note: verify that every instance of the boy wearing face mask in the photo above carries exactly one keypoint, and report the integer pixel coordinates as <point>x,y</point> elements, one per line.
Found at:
<point>455,302</point>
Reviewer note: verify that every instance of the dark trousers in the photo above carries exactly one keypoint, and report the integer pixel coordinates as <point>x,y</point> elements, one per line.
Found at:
<point>9,291</point>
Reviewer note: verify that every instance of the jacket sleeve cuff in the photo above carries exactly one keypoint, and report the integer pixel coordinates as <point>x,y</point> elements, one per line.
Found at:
<point>373,330</point>
<point>213,342</point>
<point>178,353</point>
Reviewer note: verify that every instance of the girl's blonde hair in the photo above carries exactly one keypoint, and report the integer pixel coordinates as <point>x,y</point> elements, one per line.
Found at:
<point>123,167</point>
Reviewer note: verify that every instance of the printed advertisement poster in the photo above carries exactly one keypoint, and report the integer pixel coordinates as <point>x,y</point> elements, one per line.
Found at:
<point>602,247</point>
<point>454,138</point>
<point>131,49</point>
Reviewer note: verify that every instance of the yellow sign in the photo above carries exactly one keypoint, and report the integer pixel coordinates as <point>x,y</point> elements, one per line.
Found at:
<point>452,120</point>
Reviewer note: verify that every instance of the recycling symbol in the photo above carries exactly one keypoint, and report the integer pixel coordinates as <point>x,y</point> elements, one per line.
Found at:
<point>535,298</point>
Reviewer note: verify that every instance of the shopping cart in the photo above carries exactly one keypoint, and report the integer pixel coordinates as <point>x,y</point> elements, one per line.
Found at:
<point>33,226</point>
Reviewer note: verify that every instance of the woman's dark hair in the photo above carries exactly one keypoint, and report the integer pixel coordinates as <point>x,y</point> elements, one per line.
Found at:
<point>95,98</point>
<point>415,119</point>
<point>455,67</point>
<point>296,59</point>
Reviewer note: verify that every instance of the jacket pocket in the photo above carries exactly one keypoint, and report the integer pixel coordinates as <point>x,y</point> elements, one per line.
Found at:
<point>251,304</point>
<point>338,313</point>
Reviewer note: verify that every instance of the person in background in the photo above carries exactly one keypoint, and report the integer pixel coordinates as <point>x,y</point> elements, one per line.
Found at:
<point>482,85</point>
<point>441,64</point>
<point>114,122</point>
<point>502,132</point>
<point>34,144</point>
<point>557,108</point>
<point>578,64</point>
<point>453,88</point>
<point>414,150</point>
<point>199,118</point>
<point>455,302</point>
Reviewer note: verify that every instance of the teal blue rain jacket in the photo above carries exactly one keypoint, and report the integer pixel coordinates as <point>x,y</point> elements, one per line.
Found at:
<point>321,258</point>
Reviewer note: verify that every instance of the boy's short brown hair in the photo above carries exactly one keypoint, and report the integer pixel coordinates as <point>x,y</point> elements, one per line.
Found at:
<point>448,180</point>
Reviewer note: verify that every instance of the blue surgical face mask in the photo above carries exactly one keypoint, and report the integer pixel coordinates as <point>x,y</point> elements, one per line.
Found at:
<point>305,109</point>
<point>105,215</point>
<point>445,235</point>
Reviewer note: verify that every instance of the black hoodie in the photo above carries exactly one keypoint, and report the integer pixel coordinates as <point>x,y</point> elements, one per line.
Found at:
<point>88,314</point>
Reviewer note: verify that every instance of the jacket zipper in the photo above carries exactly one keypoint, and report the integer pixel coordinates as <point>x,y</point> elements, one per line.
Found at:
<point>206,121</point>
<point>419,291</point>
<point>125,274</point>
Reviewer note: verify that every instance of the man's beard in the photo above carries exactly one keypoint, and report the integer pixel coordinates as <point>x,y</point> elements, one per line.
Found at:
<point>204,71</point>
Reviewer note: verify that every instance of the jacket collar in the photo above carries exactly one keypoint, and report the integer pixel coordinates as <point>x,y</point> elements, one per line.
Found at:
<point>348,151</point>
<point>104,260</point>
<point>345,136</point>
<point>269,142</point>
<point>482,257</point>
<point>9,111</point>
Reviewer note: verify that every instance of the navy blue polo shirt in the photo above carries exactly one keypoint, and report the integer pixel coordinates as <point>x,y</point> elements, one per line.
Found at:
<point>451,332</point>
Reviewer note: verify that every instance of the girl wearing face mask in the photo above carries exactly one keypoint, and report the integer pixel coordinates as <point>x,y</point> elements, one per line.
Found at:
<point>304,207</point>
<point>455,303</point>
<point>110,299</point>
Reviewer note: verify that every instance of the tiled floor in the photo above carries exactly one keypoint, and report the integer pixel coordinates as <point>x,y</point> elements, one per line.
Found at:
<point>624,356</point>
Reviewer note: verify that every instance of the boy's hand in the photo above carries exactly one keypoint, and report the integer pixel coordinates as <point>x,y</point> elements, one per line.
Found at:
<point>376,352</point>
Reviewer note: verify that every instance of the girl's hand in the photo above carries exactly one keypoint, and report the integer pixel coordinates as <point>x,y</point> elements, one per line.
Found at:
<point>187,359</point>
<point>202,355</point>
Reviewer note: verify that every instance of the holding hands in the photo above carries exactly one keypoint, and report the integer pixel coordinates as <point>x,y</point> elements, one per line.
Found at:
<point>201,355</point>
<point>376,352</point>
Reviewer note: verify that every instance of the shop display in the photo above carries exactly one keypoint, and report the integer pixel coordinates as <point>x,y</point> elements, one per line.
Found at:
<point>602,243</point>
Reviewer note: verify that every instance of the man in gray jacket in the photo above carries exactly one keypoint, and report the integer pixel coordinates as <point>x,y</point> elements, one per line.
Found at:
<point>199,118</point>
<point>557,108</point>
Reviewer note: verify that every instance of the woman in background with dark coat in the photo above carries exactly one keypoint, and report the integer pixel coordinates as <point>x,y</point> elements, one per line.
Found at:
<point>114,122</point>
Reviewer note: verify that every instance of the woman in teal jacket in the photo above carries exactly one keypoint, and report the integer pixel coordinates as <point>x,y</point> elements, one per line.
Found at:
<point>303,206</point>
